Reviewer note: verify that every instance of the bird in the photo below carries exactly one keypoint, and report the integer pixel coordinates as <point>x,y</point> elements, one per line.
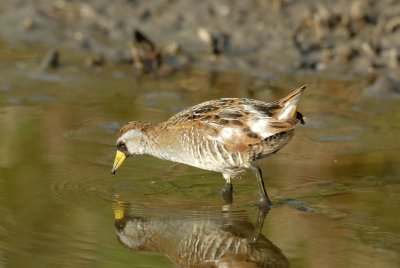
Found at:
<point>226,135</point>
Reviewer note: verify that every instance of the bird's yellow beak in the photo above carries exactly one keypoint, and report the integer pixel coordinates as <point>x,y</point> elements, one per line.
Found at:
<point>119,159</point>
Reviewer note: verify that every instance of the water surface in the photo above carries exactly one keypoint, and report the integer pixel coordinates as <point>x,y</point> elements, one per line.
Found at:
<point>335,187</point>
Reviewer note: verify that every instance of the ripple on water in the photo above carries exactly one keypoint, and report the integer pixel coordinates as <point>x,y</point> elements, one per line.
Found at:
<point>87,192</point>
<point>95,130</point>
<point>166,192</point>
<point>181,212</point>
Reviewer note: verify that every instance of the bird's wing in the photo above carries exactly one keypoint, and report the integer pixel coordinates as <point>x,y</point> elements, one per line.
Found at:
<point>238,123</point>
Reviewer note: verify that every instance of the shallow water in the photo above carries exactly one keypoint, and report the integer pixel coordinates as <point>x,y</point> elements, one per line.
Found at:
<point>335,187</point>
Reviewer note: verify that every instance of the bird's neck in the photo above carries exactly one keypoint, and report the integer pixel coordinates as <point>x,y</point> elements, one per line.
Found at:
<point>152,140</point>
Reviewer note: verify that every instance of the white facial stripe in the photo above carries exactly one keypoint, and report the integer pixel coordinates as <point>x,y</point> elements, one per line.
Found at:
<point>130,134</point>
<point>119,140</point>
<point>133,141</point>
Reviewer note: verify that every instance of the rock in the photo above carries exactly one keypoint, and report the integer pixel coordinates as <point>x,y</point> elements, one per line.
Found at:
<point>280,31</point>
<point>219,43</point>
<point>51,60</point>
<point>384,86</point>
<point>145,55</point>
<point>94,61</point>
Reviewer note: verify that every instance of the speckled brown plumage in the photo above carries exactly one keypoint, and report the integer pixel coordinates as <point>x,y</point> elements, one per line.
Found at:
<point>225,135</point>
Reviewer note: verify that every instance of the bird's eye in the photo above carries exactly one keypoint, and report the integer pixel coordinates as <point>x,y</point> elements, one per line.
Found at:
<point>121,146</point>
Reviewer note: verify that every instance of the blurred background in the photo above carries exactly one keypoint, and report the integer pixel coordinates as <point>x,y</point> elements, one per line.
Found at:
<point>73,72</point>
<point>360,37</point>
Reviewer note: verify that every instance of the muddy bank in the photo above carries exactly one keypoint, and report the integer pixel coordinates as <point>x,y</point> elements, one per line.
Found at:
<point>360,37</point>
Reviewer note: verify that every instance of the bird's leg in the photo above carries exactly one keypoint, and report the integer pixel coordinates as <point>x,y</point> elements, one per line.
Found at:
<point>227,191</point>
<point>264,200</point>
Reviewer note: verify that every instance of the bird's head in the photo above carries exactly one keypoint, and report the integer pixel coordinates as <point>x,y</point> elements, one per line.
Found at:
<point>130,141</point>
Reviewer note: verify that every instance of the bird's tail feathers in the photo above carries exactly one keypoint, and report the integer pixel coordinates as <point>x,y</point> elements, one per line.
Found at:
<point>289,103</point>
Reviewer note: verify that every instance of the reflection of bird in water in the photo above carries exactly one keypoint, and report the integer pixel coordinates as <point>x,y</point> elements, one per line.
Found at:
<point>199,240</point>
<point>225,135</point>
